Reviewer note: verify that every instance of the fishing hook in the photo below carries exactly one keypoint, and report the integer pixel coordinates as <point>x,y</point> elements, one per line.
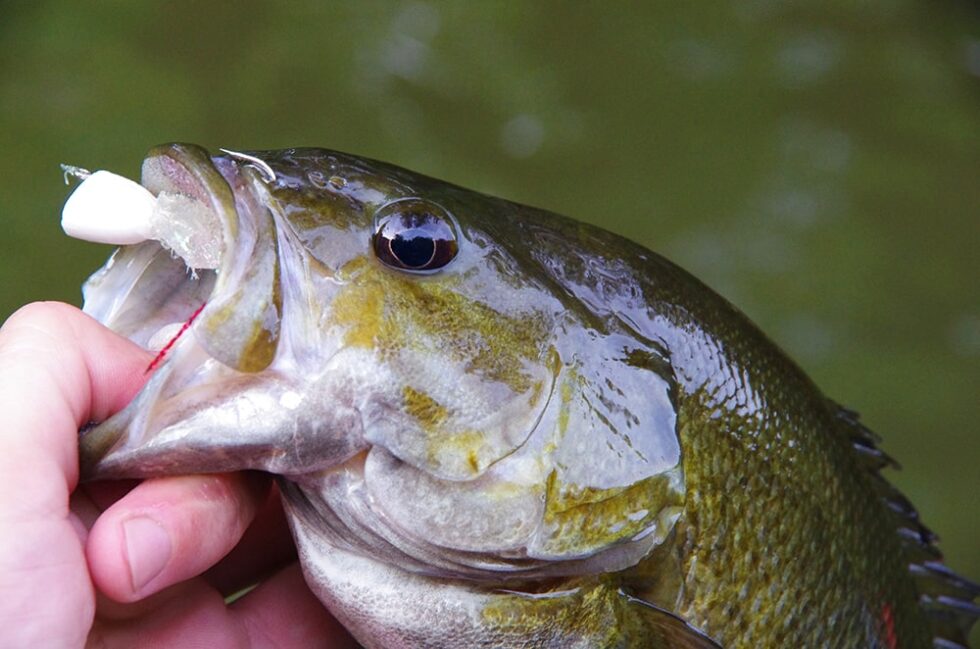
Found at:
<point>71,171</point>
<point>263,167</point>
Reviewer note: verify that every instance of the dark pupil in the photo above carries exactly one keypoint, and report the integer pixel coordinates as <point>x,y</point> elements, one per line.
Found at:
<point>413,251</point>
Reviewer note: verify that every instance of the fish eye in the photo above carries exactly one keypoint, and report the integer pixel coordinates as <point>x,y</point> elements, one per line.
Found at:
<point>414,235</point>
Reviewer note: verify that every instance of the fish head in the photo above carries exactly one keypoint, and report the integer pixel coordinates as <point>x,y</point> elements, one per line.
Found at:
<point>435,373</point>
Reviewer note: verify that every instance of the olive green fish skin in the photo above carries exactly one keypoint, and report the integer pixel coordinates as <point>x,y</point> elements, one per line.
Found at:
<point>775,530</point>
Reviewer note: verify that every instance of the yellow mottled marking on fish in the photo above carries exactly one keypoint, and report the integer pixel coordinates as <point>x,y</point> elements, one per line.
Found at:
<point>586,517</point>
<point>537,389</point>
<point>431,416</point>
<point>444,446</point>
<point>361,312</point>
<point>389,311</point>
<point>258,347</point>
<point>526,614</point>
<point>571,387</point>
<point>429,413</point>
<point>566,399</point>
<point>259,351</point>
<point>593,611</point>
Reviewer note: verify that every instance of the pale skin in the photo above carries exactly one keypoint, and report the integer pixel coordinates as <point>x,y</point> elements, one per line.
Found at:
<point>127,564</point>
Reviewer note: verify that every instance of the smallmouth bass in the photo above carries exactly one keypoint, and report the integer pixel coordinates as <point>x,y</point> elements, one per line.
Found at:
<point>495,426</point>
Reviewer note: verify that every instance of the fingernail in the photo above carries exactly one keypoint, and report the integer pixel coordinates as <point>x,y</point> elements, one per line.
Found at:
<point>147,550</point>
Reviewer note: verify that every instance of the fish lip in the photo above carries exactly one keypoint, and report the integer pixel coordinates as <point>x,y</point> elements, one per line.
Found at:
<point>190,170</point>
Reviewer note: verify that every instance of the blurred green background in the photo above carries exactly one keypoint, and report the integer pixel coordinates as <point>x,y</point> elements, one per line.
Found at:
<point>818,163</point>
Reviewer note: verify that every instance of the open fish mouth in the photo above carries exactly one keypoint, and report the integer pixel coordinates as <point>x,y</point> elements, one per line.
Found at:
<point>211,259</point>
<point>205,294</point>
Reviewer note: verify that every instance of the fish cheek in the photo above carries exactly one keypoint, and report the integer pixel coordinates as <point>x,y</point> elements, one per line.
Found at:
<point>461,385</point>
<point>453,430</point>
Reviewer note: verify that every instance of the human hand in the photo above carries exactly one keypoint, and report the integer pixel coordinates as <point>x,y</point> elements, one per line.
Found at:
<point>118,565</point>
